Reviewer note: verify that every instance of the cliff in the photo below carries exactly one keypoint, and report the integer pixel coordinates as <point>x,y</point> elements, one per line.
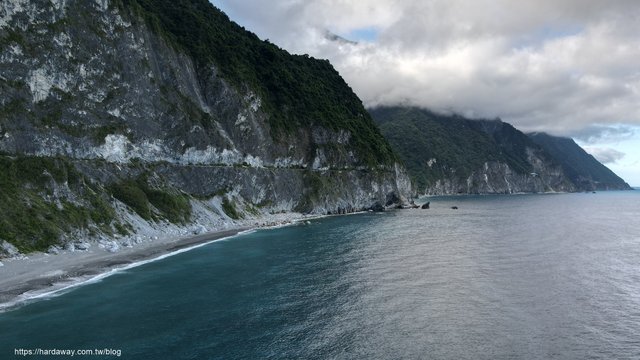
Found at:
<point>583,169</point>
<point>126,115</point>
<point>454,155</point>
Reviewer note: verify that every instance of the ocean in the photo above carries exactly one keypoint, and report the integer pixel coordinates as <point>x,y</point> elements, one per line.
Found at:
<point>501,277</point>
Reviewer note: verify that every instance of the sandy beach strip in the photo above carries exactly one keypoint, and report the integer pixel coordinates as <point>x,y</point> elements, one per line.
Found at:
<point>39,274</point>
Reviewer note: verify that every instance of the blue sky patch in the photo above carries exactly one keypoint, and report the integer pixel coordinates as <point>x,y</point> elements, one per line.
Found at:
<point>548,32</point>
<point>367,34</point>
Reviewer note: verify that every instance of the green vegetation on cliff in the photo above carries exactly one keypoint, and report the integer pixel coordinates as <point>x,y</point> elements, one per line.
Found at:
<point>437,146</point>
<point>583,169</point>
<point>147,106</point>
<point>35,209</point>
<point>297,90</point>
<point>152,203</point>
<point>43,199</point>
<point>230,209</point>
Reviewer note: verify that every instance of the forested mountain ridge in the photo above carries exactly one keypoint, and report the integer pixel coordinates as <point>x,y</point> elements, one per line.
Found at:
<point>582,168</point>
<point>449,154</point>
<point>123,118</point>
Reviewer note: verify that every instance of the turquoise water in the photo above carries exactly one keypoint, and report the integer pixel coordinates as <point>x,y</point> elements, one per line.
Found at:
<point>502,277</point>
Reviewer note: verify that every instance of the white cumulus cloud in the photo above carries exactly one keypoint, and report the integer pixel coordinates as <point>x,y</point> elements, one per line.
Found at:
<point>561,66</point>
<point>605,155</point>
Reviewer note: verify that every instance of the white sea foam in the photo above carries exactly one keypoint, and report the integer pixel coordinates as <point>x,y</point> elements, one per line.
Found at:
<point>69,284</point>
<point>72,283</point>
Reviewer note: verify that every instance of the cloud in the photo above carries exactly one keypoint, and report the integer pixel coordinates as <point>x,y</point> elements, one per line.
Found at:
<point>605,155</point>
<point>560,66</point>
<point>599,134</point>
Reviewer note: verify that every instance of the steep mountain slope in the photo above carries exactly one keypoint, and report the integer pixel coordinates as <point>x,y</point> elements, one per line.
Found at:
<point>583,169</point>
<point>125,115</point>
<point>451,154</point>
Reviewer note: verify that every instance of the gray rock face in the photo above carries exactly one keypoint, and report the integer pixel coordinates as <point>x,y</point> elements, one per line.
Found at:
<point>449,154</point>
<point>83,82</point>
<point>82,246</point>
<point>499,178</point>
<point>8,250</point>
<point>54,250</point>
<point>583,169</point>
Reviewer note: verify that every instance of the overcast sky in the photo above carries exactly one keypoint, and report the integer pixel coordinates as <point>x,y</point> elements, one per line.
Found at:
<point>567,67</point>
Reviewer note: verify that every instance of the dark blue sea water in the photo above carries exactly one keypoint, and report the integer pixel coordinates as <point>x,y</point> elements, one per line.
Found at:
<point>502,277</point>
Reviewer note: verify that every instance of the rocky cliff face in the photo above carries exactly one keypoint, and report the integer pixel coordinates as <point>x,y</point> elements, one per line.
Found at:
<point>454,155</point>
<point>583,169</point>
<point>114,117</point>
<point>500,178</point>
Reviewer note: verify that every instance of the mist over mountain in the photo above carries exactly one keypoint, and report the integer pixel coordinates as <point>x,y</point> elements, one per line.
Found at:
<point>583,169</point>
<point>450,154</point>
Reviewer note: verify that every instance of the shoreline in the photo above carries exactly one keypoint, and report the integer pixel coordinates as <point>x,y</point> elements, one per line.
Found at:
<point>42,275</point>
<point>522,193</point>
